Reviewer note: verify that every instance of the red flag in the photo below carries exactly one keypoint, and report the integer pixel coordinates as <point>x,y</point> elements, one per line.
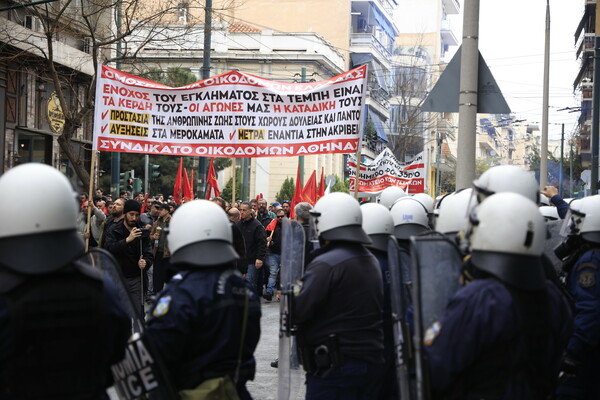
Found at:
<point>298,193</point>
<point>144,204</point>
<point>192,184</point>
<point>211,180</point>
<point>177,188</point>
<point>271,226</point>
<point>321,189</point>
<point>309,193</point>
<point>187,187</point>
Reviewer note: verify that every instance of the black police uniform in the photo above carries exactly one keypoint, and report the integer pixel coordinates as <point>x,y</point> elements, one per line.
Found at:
<point>196,325</point>
<point>59,334</point>
<point>338,309</point>
<point>495,341</point>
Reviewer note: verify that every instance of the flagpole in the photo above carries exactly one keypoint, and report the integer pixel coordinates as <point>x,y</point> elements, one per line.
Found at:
<point>233,180</point>
<point>90,196</point>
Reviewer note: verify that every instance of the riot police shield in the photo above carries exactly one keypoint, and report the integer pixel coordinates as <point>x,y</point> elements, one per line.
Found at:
<point>399,295</point>
<point>436,269</point>
<point>554,239</point>
<point>141,374</point>
<point>292,266</point>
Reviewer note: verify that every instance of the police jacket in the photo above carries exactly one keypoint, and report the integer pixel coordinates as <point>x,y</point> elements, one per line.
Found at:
<point>128,254</point>
<point>196,325</point>
<point>497,342</point>
<point>59,334</point>
<point>584,285</point>
<point>255,239</point>
<point>341,293</point>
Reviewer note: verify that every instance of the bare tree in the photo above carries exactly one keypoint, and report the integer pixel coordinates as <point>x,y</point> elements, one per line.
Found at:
<point>105,31</point>
<point>410,126</point>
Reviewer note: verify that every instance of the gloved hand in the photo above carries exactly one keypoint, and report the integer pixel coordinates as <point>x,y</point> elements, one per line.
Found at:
<point>570,364</point>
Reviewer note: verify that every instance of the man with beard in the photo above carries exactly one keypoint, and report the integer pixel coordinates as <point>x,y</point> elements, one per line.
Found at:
<point>263,215</point>
<point>131,247</point>
<point>116,215</point>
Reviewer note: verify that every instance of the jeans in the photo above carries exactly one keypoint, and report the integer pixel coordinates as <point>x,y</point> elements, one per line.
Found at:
<point>354,380</point>
<point>273,262</point>
<point>254,276</point>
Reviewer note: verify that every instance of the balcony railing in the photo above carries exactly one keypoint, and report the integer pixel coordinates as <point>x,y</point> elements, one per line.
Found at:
<point>368,40</point>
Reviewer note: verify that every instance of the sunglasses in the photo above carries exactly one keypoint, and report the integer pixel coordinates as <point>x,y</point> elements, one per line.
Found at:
<point>280,216</point>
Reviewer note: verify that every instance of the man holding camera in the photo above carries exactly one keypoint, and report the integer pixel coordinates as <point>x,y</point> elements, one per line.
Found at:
<point>130,244</point>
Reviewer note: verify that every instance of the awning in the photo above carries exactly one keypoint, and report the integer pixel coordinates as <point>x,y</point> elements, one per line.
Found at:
<point>379,126</point>
<point>383,22</point>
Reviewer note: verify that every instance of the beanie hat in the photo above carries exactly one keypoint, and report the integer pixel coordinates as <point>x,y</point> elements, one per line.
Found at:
<point>132,205</point>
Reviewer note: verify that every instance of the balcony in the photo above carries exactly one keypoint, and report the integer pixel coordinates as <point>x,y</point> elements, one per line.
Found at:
<point>451,6</point>
<point>586,44</point>
<point>367,43</point>
<point>447,33</point>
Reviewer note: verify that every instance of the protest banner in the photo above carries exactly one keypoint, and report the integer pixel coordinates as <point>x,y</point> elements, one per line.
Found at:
<point>386,171</point>
<point>229,115</point>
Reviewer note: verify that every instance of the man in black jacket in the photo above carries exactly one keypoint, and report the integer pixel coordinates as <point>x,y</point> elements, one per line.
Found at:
<point>255,239</point>
<point>131,246</point>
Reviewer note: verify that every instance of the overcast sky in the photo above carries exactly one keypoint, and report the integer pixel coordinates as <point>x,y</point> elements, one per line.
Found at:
<point>511,40</point>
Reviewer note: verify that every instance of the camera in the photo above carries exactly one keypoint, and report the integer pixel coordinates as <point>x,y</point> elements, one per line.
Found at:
<point>145,232</point>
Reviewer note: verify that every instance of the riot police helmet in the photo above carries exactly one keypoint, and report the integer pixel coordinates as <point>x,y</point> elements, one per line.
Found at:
<point>200,235</point>
<point>550,213</point>
<point>390,194</point>
<point>337,217</point>
<point>585,218</point>
<point>378,224</point>
<point>506,178</point>
<point>453,215</point>
<point>38,237</point>
<point>424,199</point>
<point>410,218</point>
<point>509,244</point>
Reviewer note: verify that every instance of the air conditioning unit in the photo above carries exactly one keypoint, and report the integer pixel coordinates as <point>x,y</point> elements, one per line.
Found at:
<point>34,23</point>
<point>87,45</point>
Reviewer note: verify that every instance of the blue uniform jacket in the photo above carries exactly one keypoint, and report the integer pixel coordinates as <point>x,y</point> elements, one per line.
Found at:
<point>481,322</point>
<point>584,286</point>
<point>196,325</point>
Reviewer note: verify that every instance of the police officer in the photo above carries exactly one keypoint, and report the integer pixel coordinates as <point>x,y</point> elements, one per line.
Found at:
<point>582,263</point>
<point>378,224</point>
<point>60,325</point>
<point>206,323</point>
<point>338,307</point>
<point>501,336</point>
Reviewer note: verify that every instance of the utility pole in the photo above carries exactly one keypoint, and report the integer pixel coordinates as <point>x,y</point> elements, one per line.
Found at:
<point>115,157</point>
<point>562,155</point>
<point>205,75</point>
<point>596,110</point>
<point>467,98</point>
<point>544,149</point>
<point>571,168</point>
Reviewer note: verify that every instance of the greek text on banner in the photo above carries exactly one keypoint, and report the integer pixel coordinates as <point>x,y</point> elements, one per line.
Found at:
<point>387,171</point>
<point>229,115</point>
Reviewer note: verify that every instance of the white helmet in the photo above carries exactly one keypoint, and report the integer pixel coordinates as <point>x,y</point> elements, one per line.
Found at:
<point>200,235</point>
<point>589,209</point>
<point>550,213</point>
<point>425,199</point>
<point>43,237</point>
<point>453,214</point>
<point>410,218</point>
<point>508,244</point>
<point>377,222</point>
<point>337,216</point>
<point>543,200</point>
<point>390,194</point>
<point>507,178</point>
